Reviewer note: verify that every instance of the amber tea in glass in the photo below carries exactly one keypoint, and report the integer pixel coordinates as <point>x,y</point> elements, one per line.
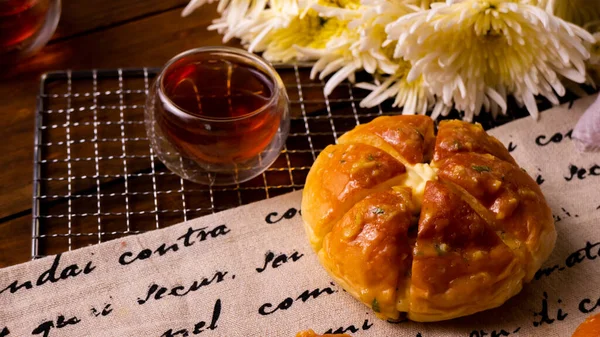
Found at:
<point>26,26</point>
<point>217,115</point>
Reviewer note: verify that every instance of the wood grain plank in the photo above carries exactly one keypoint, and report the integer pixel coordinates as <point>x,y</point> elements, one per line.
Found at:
<point>82,16</point>
<point>15,241</point>
<point>147,42</point>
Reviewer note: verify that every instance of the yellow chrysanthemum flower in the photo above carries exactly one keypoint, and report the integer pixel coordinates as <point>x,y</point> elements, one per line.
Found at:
<point>279,44</point>
<point>473,53</point>
<point>347,4</point>
<point>330,28</point>
<point>309,31</point>
<point>425,4</point>
<point>579,12</point>
<point>594,61</point>
<point>595,50</point>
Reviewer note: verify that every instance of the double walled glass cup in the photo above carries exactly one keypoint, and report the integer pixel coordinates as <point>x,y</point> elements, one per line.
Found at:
<point>26,26</point>
<point>217,115</point>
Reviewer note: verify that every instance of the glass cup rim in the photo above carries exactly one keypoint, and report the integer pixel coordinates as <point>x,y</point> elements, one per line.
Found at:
<point>270,71</point>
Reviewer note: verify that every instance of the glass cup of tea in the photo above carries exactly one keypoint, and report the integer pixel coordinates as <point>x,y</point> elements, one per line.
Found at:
<point>26,26</point>
<point>217,115</point>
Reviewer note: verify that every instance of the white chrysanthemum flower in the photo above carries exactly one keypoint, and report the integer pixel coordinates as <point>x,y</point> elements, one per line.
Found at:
<point>414,97</point>
<point>390,81</point>
<point>253,28</point>
<point>579,12</point>
<point>473,53</point>
<point>233,10</point>
<point>342,9</point>
<point>359,46</point>
<point>336,58</point>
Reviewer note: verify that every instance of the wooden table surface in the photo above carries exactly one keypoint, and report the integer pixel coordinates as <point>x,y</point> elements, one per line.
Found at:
<point>91,34</point>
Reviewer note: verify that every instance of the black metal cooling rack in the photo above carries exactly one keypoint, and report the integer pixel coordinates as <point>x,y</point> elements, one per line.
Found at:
<point>96,177</point>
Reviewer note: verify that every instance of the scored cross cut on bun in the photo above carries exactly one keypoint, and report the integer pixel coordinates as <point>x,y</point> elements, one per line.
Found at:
<point>434,227</point>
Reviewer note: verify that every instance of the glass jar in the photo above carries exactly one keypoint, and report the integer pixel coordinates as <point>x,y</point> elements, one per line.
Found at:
<point>26,26</point>
<point>217,115</point>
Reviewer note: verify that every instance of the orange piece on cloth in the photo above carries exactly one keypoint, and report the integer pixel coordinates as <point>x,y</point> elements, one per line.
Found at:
<point>311,333</point>
<point>589,328</point>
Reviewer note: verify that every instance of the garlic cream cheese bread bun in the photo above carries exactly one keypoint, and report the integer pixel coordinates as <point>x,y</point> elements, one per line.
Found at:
<point>435,227</point>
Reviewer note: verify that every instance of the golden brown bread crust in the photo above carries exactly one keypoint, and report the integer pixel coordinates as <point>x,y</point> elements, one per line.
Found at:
<point>458,137</point>
<point>507,197</point>
<point>373,235</point>
<point>483,226</point>
<point>409,139</point>
<point>460,266</point>
<point>351,172</point>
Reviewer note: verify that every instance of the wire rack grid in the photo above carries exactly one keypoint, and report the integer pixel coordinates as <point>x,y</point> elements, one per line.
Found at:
<point>96,178</point>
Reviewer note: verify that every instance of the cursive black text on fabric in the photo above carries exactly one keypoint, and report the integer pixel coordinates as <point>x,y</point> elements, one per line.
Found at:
<point>274,217</point>
<point>157,292</point>
<point>590,252</point>
<point>53,274</point>
<point>198,327</point>
<point>186,240</point>
<point>289,301</point>
<point>275,261</point>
